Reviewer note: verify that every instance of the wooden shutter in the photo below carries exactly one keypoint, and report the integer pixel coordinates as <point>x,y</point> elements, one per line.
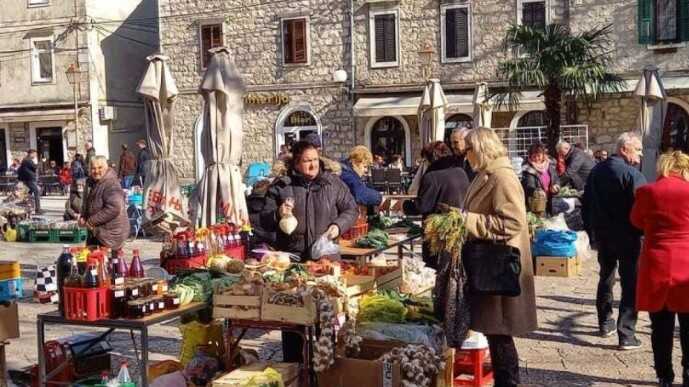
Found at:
<point>451,33</point>
<point>683,24</point>
<point>385,38</point>
<point>295,41</point>
<point>533,15</point>
<point>645,21</point>
<point>211,37</point>
<point>462,32</point>
<point>287,34</point>
<point>666,18</point>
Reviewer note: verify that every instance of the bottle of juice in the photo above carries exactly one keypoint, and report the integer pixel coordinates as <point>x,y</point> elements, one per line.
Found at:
<point>136,269</point>
<point>64,268</point>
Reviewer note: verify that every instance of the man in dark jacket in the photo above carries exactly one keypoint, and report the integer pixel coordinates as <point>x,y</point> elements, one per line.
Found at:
<point>578,165</point>
<point>322,205</point>
<point>90,154</point>
<point>127,167</point>
<point>607,204</point>
<point>143,156</point>
<point>458,146</point>
<point>27,175</point>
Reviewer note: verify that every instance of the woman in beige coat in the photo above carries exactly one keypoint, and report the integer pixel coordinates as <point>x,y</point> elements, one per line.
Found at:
<point>494,209</point>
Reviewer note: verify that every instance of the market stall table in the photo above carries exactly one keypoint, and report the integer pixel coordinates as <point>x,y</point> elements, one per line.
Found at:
<point>140,325</point>
<point>307,333</point>
<point>393,203</point>
<point>362,254</point>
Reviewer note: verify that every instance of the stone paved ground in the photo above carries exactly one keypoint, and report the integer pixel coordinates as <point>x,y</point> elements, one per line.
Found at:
<point>564,351</point>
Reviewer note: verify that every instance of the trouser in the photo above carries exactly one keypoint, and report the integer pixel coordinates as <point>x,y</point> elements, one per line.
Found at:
<point>610,257</point>
<point>505,360</point>
<point>292,347</point>
<point>91,240</point>
<point>36,192</point>
<point>127,181</point>
<point>662,339</point>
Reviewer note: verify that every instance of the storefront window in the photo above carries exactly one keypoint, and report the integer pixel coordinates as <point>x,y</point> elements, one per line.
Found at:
<point>295,127</point>
<point>676,129</point>
<point>457,121</point>
<point>388,138</point>
<point>531,119</point>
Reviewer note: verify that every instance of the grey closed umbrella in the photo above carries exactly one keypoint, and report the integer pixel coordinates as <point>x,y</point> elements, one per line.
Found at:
<point>221,191</point>
<point>165,207</point>
<point>483,111</point>
<point>431,115</point>
<point>651,117</point>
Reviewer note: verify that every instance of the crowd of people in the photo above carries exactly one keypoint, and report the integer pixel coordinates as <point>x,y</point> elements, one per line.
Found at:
<point>474,173</point>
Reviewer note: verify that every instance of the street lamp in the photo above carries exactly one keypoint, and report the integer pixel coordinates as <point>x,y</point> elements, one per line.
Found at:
<point>73,75</point>
<point>426,54</point>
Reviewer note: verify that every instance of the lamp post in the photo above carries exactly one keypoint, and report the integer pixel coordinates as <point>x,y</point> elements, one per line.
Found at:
<point>73,75</point>
<point>426,54</point>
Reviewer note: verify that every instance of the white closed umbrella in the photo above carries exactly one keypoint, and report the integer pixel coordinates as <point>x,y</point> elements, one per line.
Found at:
<point>165,207</point>
<point>431,115</point>
<point>221,191</point>
<point>483,110</point>
<point>651,118</point>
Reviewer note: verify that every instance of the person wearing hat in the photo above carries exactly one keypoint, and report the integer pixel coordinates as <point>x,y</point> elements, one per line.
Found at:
<point>127,167</point>
<point>141,159</point>
<point>329,165</point>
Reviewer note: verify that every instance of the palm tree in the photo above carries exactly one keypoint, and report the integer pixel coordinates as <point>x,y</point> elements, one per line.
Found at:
<point>558,62</point>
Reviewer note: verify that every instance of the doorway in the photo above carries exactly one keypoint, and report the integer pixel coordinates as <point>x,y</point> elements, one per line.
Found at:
<point>49,144</point>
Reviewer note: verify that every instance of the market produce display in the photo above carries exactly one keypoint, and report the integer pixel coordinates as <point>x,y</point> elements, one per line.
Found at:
<point>419,364</point>
<point>568,192</point>
<point>445,232</point>
<point>376,239</point>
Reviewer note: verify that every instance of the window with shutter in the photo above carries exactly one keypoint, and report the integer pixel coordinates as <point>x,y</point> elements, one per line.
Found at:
<point>42,65</point>
<point>456,36</point>
<point>533,14</point>
<point>666,19</point>
<point>295,41</point>
<point>211,37</point>
<point>384,39</point>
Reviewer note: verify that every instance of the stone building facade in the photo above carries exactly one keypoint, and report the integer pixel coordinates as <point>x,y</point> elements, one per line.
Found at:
<point>38,43</point>
<point>379,45</point>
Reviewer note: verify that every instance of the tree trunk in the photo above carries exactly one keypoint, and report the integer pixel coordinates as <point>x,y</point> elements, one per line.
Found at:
<point>553,106</point>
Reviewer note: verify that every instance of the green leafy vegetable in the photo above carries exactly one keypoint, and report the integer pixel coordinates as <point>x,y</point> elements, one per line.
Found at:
<point>376,238</point>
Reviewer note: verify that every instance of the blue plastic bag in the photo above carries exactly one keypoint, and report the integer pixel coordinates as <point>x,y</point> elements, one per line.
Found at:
<point>256,171</point>
<point>555,243</point>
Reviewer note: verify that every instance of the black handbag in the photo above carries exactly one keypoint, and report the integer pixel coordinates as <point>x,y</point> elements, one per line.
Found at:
<point>492,268</point>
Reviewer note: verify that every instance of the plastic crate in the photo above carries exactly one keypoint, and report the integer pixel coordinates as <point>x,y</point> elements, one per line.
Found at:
<point>237,252</point>
<point>87,304</point>
<point>23,231</point>
<point>10,270</point>
<point>11,289</point>
<point>356,232</point>
<point>136,199</point>
<point>70,236</point>
<point>40,236</point>
<point>173,266</point>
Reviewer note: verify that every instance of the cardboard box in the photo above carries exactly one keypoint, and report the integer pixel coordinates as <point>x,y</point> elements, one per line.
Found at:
<point>557,266</point>
<point>348,372</point>
<point>289,372</point>
<point>359,284</point>
<point>9,321</point>
<point>237,307</point>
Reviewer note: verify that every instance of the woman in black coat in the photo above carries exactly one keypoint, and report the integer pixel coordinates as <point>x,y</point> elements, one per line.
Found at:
<point>444,182</point>
<point>540,173</point>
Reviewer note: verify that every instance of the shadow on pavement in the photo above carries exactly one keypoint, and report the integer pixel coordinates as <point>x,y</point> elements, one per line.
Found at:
<point>570,379</point>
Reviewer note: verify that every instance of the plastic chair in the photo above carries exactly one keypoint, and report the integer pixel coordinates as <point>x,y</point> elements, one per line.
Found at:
<point>393,176</point>
<point>378,179</point>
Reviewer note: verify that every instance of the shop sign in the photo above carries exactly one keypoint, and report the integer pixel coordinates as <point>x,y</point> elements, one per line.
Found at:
<point>266,99</point>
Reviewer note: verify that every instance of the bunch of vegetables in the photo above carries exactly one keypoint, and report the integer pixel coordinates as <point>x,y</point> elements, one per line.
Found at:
<point>445,232</point>
<point>381,308</point>
<point>567,192</point>
<point>186,293</point>
<point>419,309</point>
<point>376,238</point>
<point>199,283</point>
<point>380,221</point>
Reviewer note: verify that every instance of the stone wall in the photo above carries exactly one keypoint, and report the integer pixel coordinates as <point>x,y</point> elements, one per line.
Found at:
<point>252,32</point>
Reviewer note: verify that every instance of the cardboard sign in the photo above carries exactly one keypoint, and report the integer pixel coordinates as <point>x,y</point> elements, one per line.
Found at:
<point>9,321</point>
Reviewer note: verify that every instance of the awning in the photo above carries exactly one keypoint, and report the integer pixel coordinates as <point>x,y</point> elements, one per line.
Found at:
<point>669,83</point>
<point>37,115</point>
<point>457,103</point>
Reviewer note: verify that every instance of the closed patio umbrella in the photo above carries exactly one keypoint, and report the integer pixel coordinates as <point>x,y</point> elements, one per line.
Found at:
<point>165,207</point>
<point>483,111</point>
<point>651,117</point>
<point>431,115</point>
<point>221,191</point>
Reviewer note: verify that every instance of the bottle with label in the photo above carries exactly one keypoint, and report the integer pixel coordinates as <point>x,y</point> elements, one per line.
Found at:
<point>121,271</point>
<point>104,378</point>
<point>74,278</point>
<point>103,275</point>
<point>136,269</point>
<point>90,279</point>
<point>81,263</point>
<point>119,302</point>
<point>64,268</point>
<point>123,376</point>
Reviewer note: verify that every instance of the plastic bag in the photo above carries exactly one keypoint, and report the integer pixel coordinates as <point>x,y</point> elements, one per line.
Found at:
<point>583,246</point>
<point>556,223</point>
<point>325,248</point>
<point>430,335</point>
<point>195,334</point>
<point>555,243</point>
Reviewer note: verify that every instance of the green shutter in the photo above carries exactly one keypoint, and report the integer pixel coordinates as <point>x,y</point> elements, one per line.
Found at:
<point>683,20</point>
<point>645,22</point>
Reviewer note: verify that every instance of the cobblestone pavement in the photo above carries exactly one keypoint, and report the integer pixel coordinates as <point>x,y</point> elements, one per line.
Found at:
<point>564,351</point>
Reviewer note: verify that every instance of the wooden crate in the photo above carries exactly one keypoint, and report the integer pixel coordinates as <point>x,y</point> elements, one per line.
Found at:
<point>557,266</point>
<point>237,307</point>
<point>390,280</point>
<point>294,314</point>
<point>359,284</point>
<point>289,372</point>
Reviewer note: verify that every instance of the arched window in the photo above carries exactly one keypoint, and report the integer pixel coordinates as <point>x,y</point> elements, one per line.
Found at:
<point>295,126</point>
<point>457,121</point>
<point>676,129</point>
<point>531,119</point>
<point>388,138</point>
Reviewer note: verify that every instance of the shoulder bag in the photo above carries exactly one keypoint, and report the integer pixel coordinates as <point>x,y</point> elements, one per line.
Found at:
<point>492,268</point>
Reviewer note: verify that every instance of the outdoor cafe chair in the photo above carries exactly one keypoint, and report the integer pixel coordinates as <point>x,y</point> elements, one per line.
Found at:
<point>378,179</point>
<point>393,177</point>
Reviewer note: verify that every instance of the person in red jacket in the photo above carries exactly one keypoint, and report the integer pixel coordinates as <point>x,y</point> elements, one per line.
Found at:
<point>65,177</point>
<point>662,289</point>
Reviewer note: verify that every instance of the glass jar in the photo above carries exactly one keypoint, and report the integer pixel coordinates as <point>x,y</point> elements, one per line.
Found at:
<point>119,302</point>
<point>171,301</point>
<point>136,309</point>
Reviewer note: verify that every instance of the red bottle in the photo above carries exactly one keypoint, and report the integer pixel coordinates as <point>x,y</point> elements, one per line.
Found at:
<point>136,269</point>
<point>120,271</point>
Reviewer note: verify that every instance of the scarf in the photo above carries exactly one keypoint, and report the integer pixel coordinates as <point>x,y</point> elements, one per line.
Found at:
<point>561,165</point>
<point>541,167</point>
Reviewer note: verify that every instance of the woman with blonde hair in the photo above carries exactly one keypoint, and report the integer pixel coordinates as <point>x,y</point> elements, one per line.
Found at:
<point>360,159</point>
<point>661,211</point>
<point>495,210</point>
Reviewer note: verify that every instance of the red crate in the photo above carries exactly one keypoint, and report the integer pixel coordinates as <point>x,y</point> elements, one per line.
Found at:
<point>174,265</point>
<point>87,304</point>
<point>472,368</point>
<point>356,232</point>
<point>237,252</point>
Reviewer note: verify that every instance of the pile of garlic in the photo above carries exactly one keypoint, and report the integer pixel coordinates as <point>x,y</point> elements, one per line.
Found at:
<point>324,351</point>
<point>419,364</point>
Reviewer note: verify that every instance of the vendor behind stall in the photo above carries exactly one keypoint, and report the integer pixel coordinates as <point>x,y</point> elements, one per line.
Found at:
<point>104,212</point>
<point>360,158</point>
<point>321,203</point>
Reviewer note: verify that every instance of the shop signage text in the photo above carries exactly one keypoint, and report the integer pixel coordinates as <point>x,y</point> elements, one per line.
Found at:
<point>266,99</point>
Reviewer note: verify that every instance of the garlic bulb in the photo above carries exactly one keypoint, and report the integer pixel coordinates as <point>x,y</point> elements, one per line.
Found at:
<point>324,351</point>
<point>288,224</point>
<point>419,364</point>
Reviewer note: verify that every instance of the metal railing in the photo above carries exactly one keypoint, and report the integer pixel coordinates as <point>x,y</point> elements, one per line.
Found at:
<point>518,140</point>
